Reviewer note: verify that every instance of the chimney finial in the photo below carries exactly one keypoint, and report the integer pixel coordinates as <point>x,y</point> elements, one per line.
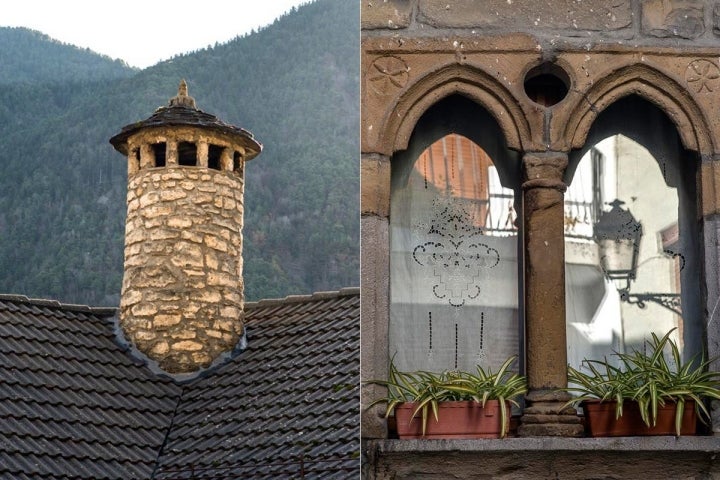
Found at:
<point>182,99</point>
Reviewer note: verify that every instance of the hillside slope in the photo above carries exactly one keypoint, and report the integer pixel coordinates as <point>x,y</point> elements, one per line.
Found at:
<point>294,84</point>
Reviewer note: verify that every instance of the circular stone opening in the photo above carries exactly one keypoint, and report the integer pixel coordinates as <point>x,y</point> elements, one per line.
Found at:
<point>547,84</point>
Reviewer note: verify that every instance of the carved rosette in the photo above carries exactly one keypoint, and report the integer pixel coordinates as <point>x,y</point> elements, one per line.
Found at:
<point>387,75</point>
<point>702,76</point>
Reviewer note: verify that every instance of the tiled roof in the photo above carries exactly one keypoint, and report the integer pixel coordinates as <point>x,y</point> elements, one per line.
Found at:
<point>73,402</point>
<point>288,403</point>
<point>76,403</point>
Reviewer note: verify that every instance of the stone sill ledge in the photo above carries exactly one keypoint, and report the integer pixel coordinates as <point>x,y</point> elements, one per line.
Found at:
<point>543,458</point>
<point>709,444</point>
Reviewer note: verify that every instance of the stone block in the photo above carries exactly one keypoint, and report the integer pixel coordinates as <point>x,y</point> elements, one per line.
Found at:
<point>167,320</point>
<point>162,296</point>
<point>148,199</point>
<point>224,325</point>
<point>187,346</point>
<point>392,14</point>
<point>134,236</point>
<point>232,296</point>
<point>375,181</point>
<point>203,199</point>
<point>710,187</point>
<point>184,334</point>
<point>187,255</point>
<point>673,18</point>
<point>221,279</point>
<point>230,312</point>
<point>191,236</point>
<point>130,297</point>
<point>211,260</point>
<point>170,175</point>
<point>172,195</point>
<point>160,348</point>
<point>179,222</point>
<point>221,179</point>
<point>144,335</point>
<point>206,188</point>
<point>571,15</point>
<point>191,308</point>
<point>550,430</point>
<point>216,243</point>
<point>214,333</point>
<point>155,211</point>
<point>144,310</point>
<point>158,282</point>
<point>160,234</point>
<point>374,358</point>
<point>131,250</point>
<point>550,419</point>
<point>202,359</point>
<point>209,296</point>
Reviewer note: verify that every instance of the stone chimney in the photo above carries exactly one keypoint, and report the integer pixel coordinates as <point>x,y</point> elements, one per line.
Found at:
<point>182,292</point>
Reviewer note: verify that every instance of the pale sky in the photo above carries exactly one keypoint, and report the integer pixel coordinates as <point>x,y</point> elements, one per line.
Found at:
<point>143,32</point>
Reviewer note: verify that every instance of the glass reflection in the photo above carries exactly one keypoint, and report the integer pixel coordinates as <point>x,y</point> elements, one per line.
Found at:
<point>615,301</point>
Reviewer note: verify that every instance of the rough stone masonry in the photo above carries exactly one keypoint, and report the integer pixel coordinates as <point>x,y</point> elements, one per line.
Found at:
<point>182,293</point>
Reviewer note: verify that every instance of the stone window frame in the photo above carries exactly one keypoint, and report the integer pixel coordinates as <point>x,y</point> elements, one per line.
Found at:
<point>545,137</point>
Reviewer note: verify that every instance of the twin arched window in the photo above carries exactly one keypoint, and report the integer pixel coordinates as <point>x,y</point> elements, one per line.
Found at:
<point>456,256</point>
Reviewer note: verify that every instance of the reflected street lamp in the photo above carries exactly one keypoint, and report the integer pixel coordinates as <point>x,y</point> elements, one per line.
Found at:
<point>618,236</point>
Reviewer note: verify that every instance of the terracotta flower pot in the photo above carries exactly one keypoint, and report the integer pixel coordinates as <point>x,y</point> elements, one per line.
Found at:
<point>455,420</point>
<point>600,420</point>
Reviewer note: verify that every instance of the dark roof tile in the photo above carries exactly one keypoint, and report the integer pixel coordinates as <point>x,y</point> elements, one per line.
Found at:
<point>300,374</point>
<point>75,402</point>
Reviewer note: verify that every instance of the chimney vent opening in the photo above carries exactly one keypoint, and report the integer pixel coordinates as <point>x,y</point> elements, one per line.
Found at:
<point>159,151</point>
<point>187,154</point>
<point>214,153</point>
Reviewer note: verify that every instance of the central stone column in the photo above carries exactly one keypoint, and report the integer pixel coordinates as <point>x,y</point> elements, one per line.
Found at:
<point>544,251</point>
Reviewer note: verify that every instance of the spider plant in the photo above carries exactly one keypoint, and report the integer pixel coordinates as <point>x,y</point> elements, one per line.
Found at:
<point>427,389</point>
<point>649,379</point>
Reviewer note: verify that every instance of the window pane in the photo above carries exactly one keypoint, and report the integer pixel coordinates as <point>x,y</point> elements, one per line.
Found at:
<point>609,311</point>
<point>453,261</point>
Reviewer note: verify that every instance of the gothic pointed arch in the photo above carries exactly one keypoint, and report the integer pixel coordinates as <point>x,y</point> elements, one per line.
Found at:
<point>652,85</point>
<point>463,80</point>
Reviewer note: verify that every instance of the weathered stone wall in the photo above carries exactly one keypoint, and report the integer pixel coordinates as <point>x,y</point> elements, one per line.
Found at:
<point>182,301</point>
<point>417,52</point>
<point>691,22</point>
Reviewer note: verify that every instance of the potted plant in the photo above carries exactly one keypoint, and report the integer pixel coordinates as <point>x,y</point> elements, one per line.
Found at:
<point>646,394</point>
<point>452,404</point>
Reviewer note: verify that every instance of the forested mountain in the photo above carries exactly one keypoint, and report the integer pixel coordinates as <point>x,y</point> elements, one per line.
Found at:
<point>32,57</point>
<point>294,84</point>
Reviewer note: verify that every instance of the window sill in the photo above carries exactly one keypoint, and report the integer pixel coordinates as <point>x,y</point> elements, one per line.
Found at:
<point>545,457</point>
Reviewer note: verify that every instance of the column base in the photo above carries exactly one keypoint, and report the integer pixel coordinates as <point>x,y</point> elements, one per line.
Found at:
<point>544,416</point>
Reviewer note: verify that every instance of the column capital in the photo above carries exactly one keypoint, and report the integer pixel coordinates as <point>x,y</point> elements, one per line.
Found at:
<point>544,170</point>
